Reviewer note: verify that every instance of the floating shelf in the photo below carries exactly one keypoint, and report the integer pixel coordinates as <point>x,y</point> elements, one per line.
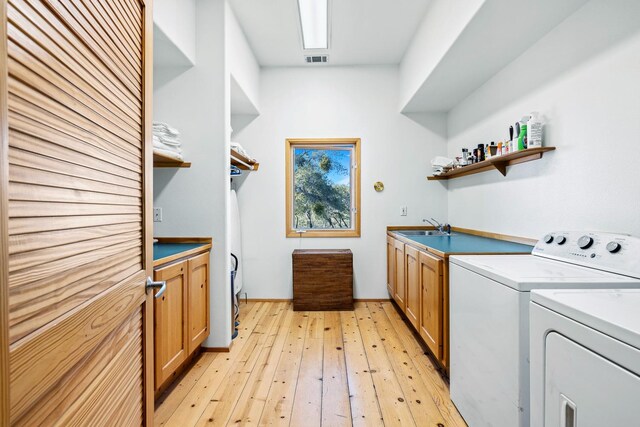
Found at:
<point>499,163</point>
<point>161,161</point>
<point>242,162</point>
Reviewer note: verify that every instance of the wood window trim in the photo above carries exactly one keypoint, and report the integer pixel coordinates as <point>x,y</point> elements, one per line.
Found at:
<point>289,230</point>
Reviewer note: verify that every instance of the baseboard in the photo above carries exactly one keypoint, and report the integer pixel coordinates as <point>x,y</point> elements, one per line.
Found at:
<point>216,349</point>
<point>291,300</point>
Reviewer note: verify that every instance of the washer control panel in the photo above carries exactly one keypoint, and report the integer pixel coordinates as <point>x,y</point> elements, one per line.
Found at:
<point>616,253</point>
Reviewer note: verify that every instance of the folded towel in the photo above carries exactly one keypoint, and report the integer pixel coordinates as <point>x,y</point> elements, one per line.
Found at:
<point>165,129</point>
<point>169,140</point>
<point>443,162</point>
<point>237,147</point>
<point>168,153</point>
<point>157,143</point>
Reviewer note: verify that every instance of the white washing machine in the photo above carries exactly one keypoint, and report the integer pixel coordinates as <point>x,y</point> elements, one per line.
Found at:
<point>489,315</point>
<point>585,358</point>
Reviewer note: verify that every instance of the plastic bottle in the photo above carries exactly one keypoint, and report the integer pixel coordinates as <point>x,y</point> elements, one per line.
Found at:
<point>522,138</point>
<point>534,131</point>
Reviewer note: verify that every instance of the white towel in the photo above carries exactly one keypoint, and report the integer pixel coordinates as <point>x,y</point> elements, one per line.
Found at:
<point>165,129</point>
<point>168,153</point>
<point>158,143</point>
<point>237,147</point>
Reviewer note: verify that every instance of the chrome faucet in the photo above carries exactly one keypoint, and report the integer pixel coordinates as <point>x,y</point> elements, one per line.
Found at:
<point>442,228</point>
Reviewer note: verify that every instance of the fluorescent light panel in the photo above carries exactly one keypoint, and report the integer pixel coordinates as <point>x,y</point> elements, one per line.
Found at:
<point>315,25</point>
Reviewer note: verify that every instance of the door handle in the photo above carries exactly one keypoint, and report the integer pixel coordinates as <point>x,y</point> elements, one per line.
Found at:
<point>160,285</point>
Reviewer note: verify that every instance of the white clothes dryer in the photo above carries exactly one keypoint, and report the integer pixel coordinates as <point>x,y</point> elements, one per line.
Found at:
<point>585,358</point>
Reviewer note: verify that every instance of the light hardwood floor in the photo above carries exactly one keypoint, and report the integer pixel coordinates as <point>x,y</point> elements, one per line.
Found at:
<point>360,368</point>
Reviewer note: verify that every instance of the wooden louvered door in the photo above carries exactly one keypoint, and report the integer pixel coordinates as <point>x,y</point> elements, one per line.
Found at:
<point>75,153</point>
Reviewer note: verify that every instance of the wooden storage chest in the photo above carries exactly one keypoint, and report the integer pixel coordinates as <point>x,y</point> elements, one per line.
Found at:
<point>322,279</point>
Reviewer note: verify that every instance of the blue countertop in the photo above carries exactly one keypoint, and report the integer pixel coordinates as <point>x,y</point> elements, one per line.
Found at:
<point>460,243</point>
<point>163,250</point>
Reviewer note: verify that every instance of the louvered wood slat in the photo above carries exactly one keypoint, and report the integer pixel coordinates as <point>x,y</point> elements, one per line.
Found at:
<point>36,225</point>
<point>79,81</point>
<point>129,14</point>
<point>107,16</point>
<point>44,271</point>
<point>59,18</point>
<point>31,127</point>
<point>35,193</point>
<point>127,26</point>
<point>34,241</point>
<point>52,209</point>
<point>20,174</point>
<point>86,275</point>
<point>31,259</point>
<point>38,162</point>
<point>106,31</point>
<point>61,43</point>
<point>49,89</point>
<point>38,146</point>
<point>74,15</point>
<point>44,308</point>
<point>99,139</point>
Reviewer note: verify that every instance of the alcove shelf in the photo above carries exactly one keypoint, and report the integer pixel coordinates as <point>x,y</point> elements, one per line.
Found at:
<point>242,162</point>
<point>161,161</point>
<point>498,163</point>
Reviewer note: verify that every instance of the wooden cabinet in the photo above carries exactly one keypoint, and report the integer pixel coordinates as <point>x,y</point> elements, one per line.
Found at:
<point>431,302</point>
<point>400,286</point>
<point>391,266</point>
<point>416,280</point>
<point>181,314</point>
<point>170,325</point>
<point>198,300</point>
<point>412,278</point>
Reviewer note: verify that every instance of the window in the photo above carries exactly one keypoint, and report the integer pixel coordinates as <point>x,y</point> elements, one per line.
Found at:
<point>323,187</point>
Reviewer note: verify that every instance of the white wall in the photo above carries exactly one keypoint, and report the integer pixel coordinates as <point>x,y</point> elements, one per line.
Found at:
<point>584,76</point>
<point>335,102</point>
<point>441,26</point>
<point>177,20</point>
<point>195,200</point>
<point>242,63</point>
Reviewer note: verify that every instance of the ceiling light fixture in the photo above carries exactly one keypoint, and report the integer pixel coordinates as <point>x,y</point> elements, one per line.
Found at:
<point>314,20</point>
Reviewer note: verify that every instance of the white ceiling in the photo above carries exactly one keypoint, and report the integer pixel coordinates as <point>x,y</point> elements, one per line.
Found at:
<point>361,32</point>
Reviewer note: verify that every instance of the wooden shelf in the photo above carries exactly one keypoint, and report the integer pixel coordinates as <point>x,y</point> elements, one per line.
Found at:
<point>161,161</point>
<point>499,163</point>
<point>243,162</point>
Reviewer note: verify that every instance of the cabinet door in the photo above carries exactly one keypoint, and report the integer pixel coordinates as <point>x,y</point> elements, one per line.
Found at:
<point>431,302</point>
<point>198,300</point>
<point>170,323</point>
<point>412,277</point>
<point>391,264</point>
<point>400,285</point>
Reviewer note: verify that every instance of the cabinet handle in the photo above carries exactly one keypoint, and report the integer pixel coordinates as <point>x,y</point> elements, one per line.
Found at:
<point>161,285</point>
<point>568,411</point>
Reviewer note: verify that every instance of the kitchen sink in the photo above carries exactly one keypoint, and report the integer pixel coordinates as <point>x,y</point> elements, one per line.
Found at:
<point>423,233</point>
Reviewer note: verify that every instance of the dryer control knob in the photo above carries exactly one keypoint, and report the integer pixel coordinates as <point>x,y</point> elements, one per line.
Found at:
<point>585,242</point>
<point>548,238</point>
<point>561,240</point>
<point>614,247</point>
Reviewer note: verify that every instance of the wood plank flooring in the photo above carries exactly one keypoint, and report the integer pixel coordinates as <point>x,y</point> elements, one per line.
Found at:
<point>286,368</point>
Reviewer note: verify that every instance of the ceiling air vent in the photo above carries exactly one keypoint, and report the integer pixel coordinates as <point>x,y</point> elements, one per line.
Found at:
<point>316,59</point>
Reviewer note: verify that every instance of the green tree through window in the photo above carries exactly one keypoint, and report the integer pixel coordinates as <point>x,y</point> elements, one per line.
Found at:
<point>322,188</point>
